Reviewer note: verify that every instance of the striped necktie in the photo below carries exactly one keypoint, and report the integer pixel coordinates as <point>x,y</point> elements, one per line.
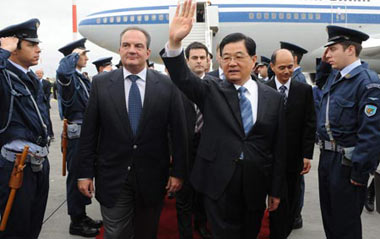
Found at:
<point>245,110</point>
<point>134,104</point>
<point>283,92</point>
<point>199,120</point>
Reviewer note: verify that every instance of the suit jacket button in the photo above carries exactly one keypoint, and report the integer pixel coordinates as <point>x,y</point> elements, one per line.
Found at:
<point>135,146</point>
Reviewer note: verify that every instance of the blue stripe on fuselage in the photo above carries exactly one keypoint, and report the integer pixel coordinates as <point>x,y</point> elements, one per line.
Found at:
<point>247,17</point>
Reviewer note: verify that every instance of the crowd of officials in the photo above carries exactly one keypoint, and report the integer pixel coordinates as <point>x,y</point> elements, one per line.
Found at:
<point>228,144</point>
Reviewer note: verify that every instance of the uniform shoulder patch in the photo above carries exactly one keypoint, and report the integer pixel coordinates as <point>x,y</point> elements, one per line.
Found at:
<point>370,110</point>
<point>373,85</point>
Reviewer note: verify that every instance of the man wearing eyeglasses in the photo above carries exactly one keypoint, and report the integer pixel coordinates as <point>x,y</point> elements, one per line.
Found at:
<point>240,158</point>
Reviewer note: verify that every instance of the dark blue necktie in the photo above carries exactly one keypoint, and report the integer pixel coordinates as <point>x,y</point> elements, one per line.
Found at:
<point>245,110</point>
<point>134,104</point>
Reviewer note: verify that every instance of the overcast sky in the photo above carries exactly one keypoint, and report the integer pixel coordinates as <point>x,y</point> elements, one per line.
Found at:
<point>56,24</point>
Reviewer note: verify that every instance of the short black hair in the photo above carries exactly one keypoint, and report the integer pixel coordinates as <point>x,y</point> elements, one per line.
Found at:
<point>195,45</point>
<point>236,37</point>
<point>147,36</point>
<point>299,56</point>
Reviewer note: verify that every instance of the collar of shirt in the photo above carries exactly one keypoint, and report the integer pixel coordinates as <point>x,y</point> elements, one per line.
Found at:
<point>19,67</point>
<point>278,84</point>
<point>350,67</point>
<point>203,76</point>
<point>79,72</point>
<point>221,74</point>
<point>141,74</point>
<point>296,68</point>
<point>251,85</point>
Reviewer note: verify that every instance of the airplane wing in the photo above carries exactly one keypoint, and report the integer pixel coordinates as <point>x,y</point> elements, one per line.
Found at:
<point>371,47</point>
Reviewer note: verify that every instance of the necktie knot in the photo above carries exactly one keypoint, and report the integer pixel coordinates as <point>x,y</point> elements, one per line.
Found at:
<point>133,78</point>
<point>242,90</point>
<point>283,89</point>
<point>338,76</point>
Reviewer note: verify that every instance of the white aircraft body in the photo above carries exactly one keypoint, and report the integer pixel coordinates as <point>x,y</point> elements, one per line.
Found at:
<point>302,22</point>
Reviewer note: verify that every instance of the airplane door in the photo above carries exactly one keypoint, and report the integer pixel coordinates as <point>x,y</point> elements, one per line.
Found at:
<point>339,12</point>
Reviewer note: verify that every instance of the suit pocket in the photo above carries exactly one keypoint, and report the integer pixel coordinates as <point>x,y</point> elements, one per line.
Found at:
<point>206,150</point>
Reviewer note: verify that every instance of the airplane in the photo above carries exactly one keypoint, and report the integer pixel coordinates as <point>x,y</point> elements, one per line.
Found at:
<point>302,22</point>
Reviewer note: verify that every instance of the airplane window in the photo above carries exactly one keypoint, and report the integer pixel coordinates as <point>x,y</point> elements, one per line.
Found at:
<point>318,16</point>
<point>258,15</point>
<point>288,16</point>
<point>343,17</point>
<point>154,17</point>
<point>303,16</point>
<point>311,16</point>
<point>98,20</point>
<point>161,17</point>
<point>296,15</point>
<point>146,18</point>
<point>266,15</point>
<point>105,20</point>
<point>274,15</point>
<point>125,19</point>
<point>112,19</point>
<point>132,18</point>
<point>118,19</point>
<point>251,15</point>
<point>139,18</point>
<point>281,15</point>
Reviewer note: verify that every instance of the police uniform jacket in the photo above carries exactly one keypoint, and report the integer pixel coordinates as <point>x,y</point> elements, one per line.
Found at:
<point>73,87</point>
<point>352,104</point>
<point>299,76</point>
<point>25,123</point>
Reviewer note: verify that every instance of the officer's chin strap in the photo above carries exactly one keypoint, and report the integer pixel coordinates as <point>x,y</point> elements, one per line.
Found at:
<point>13,94</point>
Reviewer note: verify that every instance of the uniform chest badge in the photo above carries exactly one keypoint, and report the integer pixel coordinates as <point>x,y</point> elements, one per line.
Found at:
<point>370,110</point>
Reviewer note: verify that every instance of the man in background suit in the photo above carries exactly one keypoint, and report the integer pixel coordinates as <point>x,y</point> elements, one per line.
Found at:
<point>188,201</point>
<point>46,88</point>
<point>240,154</point>
<point>300,134</point>
<point>124,142</point>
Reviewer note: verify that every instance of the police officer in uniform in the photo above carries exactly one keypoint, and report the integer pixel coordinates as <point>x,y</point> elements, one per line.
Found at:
<point>103,64</point>
<point>298,53</point>
<point>261,70</point>
<point>74,88</point>
<point>23,121</point>
<point>349,131</point>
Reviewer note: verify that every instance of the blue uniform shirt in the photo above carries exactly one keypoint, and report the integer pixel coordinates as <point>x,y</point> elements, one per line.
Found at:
<point>73,88</point>
<point>353,102</point>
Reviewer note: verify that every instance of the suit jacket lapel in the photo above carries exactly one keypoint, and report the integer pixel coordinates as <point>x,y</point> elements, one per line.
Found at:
<point>261,107</point>
<point>117,94</point>
<point>232,98</point>
<point>150,91</point>
<point>291,93</point>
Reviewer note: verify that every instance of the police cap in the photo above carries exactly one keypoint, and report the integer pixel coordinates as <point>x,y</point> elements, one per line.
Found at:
<point>292,47</point>
<point>104,61</point>
<point>69,48</point>
<point>264,61</point>
<point>24,31</point>
<point>340,34</point>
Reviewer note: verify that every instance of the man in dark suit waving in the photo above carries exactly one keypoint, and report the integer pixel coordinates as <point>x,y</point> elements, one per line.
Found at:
<point>124,141</point>
<point>240,155</point>
<point>300,134</point>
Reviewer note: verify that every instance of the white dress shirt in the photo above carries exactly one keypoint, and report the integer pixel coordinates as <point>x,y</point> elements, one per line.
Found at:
<point>141,82</point>
<point>252,95</point>
<point>279,84</point>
